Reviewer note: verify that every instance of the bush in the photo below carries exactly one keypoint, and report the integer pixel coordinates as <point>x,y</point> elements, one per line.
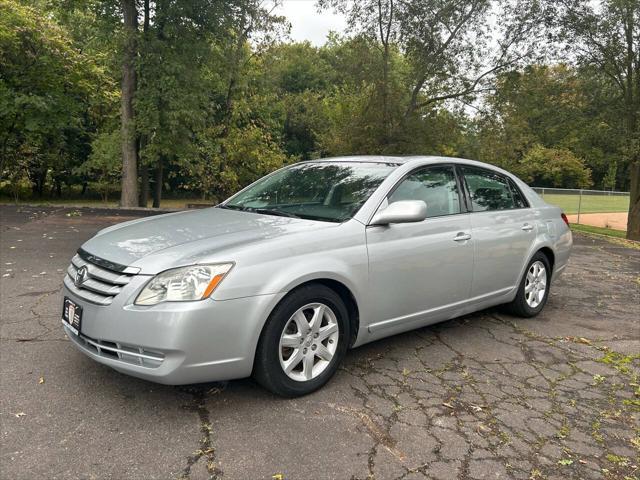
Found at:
<point>554,167</point>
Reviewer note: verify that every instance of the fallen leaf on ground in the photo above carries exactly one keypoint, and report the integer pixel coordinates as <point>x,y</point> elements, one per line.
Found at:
<point>482,428</point>
<point>277,476</point>
<point>41,380</point>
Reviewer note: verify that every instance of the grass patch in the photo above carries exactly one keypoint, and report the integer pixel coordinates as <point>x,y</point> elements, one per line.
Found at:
<point>619,361</point>
<point>610,232</point>
<point>76,202</point>
<point>618,460</point>
<point>615,239</point>
<point>589,204</point>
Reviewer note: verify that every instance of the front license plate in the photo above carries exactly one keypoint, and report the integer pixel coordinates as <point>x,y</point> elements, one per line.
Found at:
<point>72,315</point>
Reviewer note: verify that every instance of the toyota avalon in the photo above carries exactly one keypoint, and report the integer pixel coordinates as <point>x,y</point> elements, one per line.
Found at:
<point>281,279</point>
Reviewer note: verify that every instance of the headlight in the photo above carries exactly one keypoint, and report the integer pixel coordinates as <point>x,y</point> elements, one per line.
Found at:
<point>183,284</point>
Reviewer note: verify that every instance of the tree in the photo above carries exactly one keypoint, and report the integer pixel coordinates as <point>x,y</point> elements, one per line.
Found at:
<point>48,89</point>
<point>205,97</point>
<point>129,193</point>
<point>237,128</point>
<point>606,36</point>
<point>450,44</point>
<point>552,106</point>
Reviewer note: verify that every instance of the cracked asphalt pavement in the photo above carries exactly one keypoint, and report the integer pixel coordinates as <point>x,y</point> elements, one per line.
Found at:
<point>487,396</point>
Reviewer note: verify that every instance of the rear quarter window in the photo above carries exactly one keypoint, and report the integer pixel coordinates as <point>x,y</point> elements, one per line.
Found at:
<point>518,197</point>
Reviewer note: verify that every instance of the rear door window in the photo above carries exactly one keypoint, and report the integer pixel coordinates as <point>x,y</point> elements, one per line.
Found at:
<point>488,190</point>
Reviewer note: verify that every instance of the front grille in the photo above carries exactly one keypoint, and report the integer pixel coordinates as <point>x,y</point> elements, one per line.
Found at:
<point>118,351</point>
<point>100,284</point>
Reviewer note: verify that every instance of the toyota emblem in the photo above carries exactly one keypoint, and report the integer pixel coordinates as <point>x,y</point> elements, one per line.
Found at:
<point>81,276</point>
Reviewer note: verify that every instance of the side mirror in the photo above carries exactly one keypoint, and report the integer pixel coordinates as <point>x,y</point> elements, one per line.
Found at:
<point>405,211</point>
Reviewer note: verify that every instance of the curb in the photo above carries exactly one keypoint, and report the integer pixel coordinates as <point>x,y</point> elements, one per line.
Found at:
<point>93,207</point>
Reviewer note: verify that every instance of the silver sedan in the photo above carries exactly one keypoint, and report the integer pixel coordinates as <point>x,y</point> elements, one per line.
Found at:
<point>280,280</point>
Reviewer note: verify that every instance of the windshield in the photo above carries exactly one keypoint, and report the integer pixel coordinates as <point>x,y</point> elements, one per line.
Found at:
<point>328,191</point>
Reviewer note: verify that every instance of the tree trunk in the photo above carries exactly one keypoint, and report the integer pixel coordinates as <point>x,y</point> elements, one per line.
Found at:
<point>633,222</point>
<point>157,188</point>
<point>632,104</point>
<point>144,186</point>
<point>384,28</point>
<point>143,199</point>
<point>129,194</point>
<point>386,122</point>
<point>42,179</point>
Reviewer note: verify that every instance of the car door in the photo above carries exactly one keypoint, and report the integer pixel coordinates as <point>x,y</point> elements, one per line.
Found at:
<point>417,269</point>
<point>503,228</point>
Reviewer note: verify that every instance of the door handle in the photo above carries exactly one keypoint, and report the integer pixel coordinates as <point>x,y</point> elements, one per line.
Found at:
<point>462,237</point>
<point>527,228</point>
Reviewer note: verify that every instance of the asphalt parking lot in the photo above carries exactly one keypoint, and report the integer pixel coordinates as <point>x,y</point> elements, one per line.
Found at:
<point>487,396</point>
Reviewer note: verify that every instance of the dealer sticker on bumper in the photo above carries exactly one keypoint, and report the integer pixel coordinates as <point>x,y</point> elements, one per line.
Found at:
<point>72,315</point>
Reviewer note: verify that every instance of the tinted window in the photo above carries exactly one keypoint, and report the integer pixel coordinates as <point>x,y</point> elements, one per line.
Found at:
<point>329,191</point>
<point>488,190</point>
<point>436,186</point>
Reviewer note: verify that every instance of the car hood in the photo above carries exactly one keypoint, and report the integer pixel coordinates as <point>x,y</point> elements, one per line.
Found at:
<point>156,243</point>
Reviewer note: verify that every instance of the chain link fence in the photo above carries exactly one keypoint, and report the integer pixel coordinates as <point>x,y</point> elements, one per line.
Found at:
<point>584,205</point>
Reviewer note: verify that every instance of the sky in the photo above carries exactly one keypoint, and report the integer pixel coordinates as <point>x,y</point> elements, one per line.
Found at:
<point>307,23</point>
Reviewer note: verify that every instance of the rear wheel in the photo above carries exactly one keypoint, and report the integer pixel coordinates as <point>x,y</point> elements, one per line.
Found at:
<point>303,341</point>
<point>533,290</point>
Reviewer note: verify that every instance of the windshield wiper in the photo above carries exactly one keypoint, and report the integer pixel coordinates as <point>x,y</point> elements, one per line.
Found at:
<point>265,211</point>
<point>275,211</point>
<point>230,207</point>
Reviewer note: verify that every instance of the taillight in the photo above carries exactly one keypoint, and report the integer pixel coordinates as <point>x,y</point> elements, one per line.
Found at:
<point>566,220</point>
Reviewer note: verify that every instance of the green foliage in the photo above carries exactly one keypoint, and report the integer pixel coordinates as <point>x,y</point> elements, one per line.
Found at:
<point>103,165</point>
<point>553,107</point>
<point>554,167</point>
<point>48,91</point>
<point>15,179</point>
<point>251,154</point>
<point>220,100</point>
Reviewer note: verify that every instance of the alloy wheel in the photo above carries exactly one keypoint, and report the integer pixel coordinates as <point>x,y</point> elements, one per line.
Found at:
<point>308,342</point>
<point>536,284</point>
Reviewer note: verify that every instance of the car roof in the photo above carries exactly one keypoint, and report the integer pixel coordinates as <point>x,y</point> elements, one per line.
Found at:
<point>376,158</point>
<point>407,159</point>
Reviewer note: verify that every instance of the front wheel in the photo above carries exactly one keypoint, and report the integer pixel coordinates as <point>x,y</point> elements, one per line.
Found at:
<point>533,290</point>
<point>303,341</point>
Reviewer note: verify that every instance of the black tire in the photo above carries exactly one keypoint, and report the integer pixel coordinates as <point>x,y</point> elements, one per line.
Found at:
<point>519,305</point>
<point>267,368</point>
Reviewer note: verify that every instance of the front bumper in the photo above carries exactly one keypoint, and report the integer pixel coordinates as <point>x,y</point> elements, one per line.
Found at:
<point>174,343</point>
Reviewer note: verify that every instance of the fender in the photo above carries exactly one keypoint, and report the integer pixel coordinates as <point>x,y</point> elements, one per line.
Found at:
<point>544,239</point>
